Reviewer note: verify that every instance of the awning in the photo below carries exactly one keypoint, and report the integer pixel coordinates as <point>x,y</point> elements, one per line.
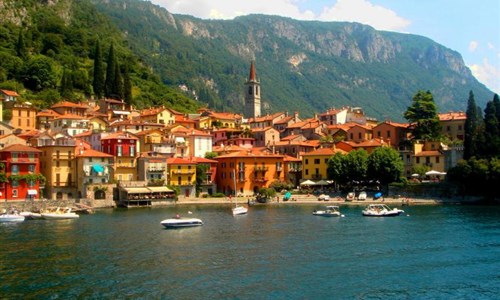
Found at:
<point>121,112</point>
<point>159,189</point>
<point>308,182</point>
<point>98,168</point>
<point>180,139</point>
<point>137,190</point>
<point>32,192</point>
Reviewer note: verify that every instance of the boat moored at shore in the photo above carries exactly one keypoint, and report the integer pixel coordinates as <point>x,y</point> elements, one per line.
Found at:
<point>381,210</point>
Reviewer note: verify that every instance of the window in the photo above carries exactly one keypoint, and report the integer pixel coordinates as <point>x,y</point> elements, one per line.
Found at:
<point>437,159</point>
<point>307,172</point>
<point>132,150</point>
<point>418,160</point>
<point>316,161</point>
<point>14,183</point>
<point>307,161</point>
<point>250,90</point>
<point>378,133</point>
<point>119,150</point>
<point>359,135</point>
<point>388,133</point>
<point>14,169</point>
<point>448,128</point>
<point>179,180</point>
<point>14,193</point>
<point>31,168</point>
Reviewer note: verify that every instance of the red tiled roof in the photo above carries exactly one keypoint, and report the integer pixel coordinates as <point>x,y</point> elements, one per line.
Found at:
<point>428,153</point>
<point>19,148</point>
<point>69,104</point>
<point>93,153</point>
<point>119,135</point>
<point>324,151</point>
<point>70,116</point>
<point>47,113</point>
<point>452,116</point>
<point>202,160</point>
<point>179,161</point>
<point>10,93</point>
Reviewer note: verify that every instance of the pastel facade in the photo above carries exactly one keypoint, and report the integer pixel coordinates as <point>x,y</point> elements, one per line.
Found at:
<point>23,117</point>
<point>453,125</point>
<point>21,169</point>
<point>315,163</point>
<point>96,169</point>
<point>182,174</point>
<point>123,146</point>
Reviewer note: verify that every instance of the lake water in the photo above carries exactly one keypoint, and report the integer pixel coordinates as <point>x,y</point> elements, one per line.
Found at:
<point>274,252</point>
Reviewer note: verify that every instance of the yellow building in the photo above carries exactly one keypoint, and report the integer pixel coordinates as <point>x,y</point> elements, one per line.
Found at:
<point>160,115</point>
<point>428,154</point>
<point>220,120</point>
<point>452,124</point>
<point>23,117</point>
<point>98,124</point>
<point>58,165</point>
<point>315,163</point>
<point>182,173</point>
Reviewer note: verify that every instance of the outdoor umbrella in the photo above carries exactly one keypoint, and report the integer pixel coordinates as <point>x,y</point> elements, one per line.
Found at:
<point>434,172</point>
<point>307,182</point>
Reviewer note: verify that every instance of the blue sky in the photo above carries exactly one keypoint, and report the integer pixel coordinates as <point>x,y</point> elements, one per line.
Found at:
<point>470,27</point>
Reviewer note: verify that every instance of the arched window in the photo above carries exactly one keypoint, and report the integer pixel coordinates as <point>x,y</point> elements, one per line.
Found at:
<point>99,194</point>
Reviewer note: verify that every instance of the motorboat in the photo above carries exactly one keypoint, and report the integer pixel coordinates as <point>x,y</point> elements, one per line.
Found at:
<point>330,211</point>
<point>381,210</point>
<point>179,222</point>
<point>28,215</point>
<point>11,217</point>
<point>362,196</point>
<point>239,210</point>
<point>60,214</point>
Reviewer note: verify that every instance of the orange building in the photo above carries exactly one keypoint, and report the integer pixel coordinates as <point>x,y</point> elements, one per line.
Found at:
<point>391,132</point>
<point>23,117</point>
<point>249,171</point>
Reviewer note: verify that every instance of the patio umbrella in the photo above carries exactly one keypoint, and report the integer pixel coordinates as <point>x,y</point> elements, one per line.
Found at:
<point>322,182</point>
<point>307,182</point>
<point>434,172</point>
<point>415,175</point>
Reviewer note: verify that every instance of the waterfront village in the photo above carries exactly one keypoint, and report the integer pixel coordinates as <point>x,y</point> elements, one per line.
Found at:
<point>105,153</point>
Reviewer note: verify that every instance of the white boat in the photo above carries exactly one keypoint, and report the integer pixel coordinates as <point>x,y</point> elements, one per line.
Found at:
<point>362,196</point>
<point>330,211</point>
<point>381,210</point>
<point>11,218</point>
<point>237,209</point>
<point>350,196</point>
<point>28,215</point>
<point>60,214</point>
<point>179,222</point>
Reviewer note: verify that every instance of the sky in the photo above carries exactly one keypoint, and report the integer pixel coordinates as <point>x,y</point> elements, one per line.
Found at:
<point>470,27</point>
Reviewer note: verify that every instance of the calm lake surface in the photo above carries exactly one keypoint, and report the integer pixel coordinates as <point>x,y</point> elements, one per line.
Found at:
<point>274,252</point>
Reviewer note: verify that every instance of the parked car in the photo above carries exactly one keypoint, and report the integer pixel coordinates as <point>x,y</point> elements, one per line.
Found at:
<point>323,197</point>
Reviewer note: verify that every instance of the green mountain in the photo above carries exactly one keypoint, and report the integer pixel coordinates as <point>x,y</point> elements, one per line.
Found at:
<point>302,65</point>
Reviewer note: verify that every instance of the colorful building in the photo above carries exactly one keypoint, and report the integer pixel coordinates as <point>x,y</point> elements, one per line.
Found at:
<point>452,124</point>
<point>182,174</point>
<point>315,163</point>
<point>123,146</point>
<point>249,170</point>
<point>95,171</point>
<point>23,117</point>
<point>20,169</point>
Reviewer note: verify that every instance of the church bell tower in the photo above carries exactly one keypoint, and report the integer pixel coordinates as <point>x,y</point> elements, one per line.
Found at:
<point>252,95</point>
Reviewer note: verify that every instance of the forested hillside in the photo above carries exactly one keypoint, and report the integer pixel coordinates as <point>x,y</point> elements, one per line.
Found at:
<point>303,66</point>
<point>48,53</point>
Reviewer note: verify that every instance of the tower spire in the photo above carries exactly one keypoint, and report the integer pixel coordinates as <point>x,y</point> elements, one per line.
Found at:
<point>252,76</point>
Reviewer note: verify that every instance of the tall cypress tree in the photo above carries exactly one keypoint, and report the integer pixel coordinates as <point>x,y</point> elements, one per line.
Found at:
<point>496,102</point>
<point>98,82</point>
<point>118,84</point>
<point>66,88</point>
<point>20,46</point>
<point>491,146</point>
<point>109,83</point>
<point>127,85</point>
<point>471,128</point>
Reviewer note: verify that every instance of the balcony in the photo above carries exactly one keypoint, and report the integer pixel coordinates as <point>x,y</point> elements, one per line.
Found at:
<point>295,170</point>
<point>279,169</point>
<point>260,169</point>
<point>260,179</point>
<point>157,169</point>
<point>183,172</point>
<point>23,159</point>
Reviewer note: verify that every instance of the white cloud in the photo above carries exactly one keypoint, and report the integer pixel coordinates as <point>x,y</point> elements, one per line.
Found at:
<point>473,46</point>
<point>491,46</point>
<point>361,11</point>
<point>487,74</point>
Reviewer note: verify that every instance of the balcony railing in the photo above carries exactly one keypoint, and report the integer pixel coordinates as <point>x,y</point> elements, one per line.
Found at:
<point>183,172</point>
<point>23,160</point>
<point>156,169</point>
<point>260,179</point>
<point>261,169</point>
<point>295,170</point>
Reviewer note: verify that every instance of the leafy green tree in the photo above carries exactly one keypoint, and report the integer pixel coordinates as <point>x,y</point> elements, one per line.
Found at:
<point>357,165</point>
<point>38,74</point>
<point>210,155</point>
<point>385,164</point>
<point>109,83</point>
<point>98,81</point>
<point>66,88</point>
<point>337,169</point>
<point>472,128</point>
<point>423,114</point>
<point>201,175</point>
